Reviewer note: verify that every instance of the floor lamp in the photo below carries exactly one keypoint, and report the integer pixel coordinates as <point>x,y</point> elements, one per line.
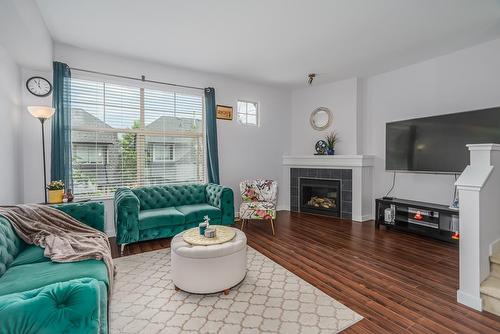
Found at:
<point>43,113</point>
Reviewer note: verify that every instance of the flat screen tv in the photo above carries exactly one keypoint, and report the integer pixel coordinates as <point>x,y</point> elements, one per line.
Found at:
<point>437,144</point>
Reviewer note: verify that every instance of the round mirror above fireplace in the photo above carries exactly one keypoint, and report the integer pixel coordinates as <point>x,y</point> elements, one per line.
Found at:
<point>321,118</point>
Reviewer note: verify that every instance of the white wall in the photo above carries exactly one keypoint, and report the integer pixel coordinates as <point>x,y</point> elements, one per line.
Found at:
<point>341,98</point>
<point>465,80</point>
<point>25,43</point>
<point>10,108</point>
<point>244,152</point>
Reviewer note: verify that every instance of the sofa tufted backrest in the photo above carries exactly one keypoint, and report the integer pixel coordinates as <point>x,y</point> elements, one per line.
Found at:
<point>89,213</point>
<point>10,245</point>
<point>157,197</point>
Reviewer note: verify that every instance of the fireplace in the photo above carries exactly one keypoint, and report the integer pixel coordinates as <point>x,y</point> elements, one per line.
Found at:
<point>320,196</point>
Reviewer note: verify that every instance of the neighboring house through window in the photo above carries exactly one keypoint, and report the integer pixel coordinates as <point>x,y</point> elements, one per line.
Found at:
<point>248,113</point>
<point>89,154</point>
<point>128,136</point>
<point>163,152</point>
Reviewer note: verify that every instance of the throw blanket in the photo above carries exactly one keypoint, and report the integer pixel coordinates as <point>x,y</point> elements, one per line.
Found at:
<point>64,238</point>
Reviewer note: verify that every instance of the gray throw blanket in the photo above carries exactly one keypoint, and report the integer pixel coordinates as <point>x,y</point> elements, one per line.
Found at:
<point>64,238</point>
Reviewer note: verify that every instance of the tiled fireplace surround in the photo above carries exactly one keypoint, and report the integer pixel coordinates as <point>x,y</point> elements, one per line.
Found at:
<point>354,171</point>
<point>344,175</point>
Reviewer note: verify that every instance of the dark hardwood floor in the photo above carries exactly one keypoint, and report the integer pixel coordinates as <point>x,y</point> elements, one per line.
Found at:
<point>400,283</point>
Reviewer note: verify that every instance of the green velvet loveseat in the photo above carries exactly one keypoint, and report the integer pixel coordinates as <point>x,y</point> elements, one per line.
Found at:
<point>163,211</point>
<point>41,296</point>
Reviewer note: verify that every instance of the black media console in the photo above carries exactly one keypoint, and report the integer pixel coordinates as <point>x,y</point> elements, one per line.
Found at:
<point>433,220</point>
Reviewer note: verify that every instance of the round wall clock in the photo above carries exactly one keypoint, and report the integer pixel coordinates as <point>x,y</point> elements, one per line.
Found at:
<point>39,86</point>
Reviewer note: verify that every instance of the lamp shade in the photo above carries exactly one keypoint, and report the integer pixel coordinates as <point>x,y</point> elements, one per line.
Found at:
<point>41,112</point>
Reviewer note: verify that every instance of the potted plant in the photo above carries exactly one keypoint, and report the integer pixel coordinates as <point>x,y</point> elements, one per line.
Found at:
<point>331,140</point>
<point>56,191</point>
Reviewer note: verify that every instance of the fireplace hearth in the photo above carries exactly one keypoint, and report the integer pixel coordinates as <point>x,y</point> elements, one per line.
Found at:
<point>320,196</point>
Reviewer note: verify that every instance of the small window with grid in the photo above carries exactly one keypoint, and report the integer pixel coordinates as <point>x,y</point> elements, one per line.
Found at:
<point>248,113</point>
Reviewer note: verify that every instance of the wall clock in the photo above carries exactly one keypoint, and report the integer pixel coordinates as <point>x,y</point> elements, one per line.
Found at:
<point>39,86</point>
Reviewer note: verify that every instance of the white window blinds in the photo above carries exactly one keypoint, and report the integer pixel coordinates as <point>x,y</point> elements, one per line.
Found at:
<point>125,135</point>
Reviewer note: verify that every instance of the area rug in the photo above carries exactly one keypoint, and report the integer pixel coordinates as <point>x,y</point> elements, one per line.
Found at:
<point>271,299</point>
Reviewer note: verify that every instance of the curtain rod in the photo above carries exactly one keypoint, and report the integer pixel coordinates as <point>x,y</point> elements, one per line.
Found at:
<point>143,78</point>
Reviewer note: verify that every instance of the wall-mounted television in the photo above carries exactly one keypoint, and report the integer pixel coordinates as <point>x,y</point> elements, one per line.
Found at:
<point>437,144</point>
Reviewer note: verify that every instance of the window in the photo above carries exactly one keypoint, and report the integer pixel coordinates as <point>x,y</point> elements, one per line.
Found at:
<point>163,152</point>
<point>87,154</point>
<point>126,135</point>
<point>248,113</point>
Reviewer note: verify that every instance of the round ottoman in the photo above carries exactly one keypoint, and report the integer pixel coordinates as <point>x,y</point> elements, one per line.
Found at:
<point>208,269</point>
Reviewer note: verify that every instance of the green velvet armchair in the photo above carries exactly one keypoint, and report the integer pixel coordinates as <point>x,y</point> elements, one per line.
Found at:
<point>147,213</point>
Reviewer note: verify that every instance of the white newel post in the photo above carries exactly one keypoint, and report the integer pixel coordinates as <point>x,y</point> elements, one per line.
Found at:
<point>479,195</point>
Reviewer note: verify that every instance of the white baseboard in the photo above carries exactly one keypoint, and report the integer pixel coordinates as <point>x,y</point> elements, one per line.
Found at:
<point>469,300</point>
<point>367,217</point>
<point>362,218</point>
<point>282,207</point>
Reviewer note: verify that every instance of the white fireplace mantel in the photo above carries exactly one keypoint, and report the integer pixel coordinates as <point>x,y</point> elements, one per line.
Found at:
<point>331,161</point>
<point>362,173</point>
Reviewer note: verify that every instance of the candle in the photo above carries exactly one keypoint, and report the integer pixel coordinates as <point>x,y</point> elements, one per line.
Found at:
<point>202,227</point>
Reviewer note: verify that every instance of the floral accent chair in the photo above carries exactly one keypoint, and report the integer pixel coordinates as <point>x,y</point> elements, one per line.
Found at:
<point>259,201</point>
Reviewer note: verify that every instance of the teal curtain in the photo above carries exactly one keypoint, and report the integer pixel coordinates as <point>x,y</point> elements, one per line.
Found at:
<point>211,133</point>
<point>61,125</point>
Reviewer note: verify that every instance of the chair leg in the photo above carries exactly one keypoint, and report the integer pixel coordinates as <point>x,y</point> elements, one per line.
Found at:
<point>242,224</point>
<point>122,247</point>
<point>272,225</point>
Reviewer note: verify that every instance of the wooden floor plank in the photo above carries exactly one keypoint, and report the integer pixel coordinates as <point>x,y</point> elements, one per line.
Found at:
<point>400,283</point>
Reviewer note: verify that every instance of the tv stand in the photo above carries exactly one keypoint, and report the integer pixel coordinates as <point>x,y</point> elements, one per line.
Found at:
<point>429,219</point>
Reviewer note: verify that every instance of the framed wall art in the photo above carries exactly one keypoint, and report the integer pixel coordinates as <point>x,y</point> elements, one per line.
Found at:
<point>225,112</point>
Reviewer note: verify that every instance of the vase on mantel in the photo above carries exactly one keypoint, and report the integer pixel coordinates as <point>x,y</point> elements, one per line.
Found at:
<point>330,151</point>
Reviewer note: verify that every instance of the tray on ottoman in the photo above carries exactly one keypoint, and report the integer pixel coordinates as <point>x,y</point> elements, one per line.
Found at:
<point>222,234</point>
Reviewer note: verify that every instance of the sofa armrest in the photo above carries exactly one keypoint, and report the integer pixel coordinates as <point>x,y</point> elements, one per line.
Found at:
<point>66,307</point>
<point>89,213</point>
<point>126,216</point>
<point>222,198</point>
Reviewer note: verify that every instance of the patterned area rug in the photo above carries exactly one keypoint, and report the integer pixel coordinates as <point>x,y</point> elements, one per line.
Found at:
<point>270,300</point>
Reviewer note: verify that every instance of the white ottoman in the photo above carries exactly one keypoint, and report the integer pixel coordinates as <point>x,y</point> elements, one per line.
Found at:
<point>208,269</point>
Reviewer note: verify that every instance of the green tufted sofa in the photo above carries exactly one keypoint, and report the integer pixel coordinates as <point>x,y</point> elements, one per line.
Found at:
<point>40,296</point>
<point>163,211</point>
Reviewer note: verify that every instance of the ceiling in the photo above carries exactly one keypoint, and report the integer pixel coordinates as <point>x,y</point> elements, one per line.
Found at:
<point>275,41</point>
<point>24,35</point>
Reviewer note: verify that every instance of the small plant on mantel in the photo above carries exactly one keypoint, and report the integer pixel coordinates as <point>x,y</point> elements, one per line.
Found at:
<point>331,141</point>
